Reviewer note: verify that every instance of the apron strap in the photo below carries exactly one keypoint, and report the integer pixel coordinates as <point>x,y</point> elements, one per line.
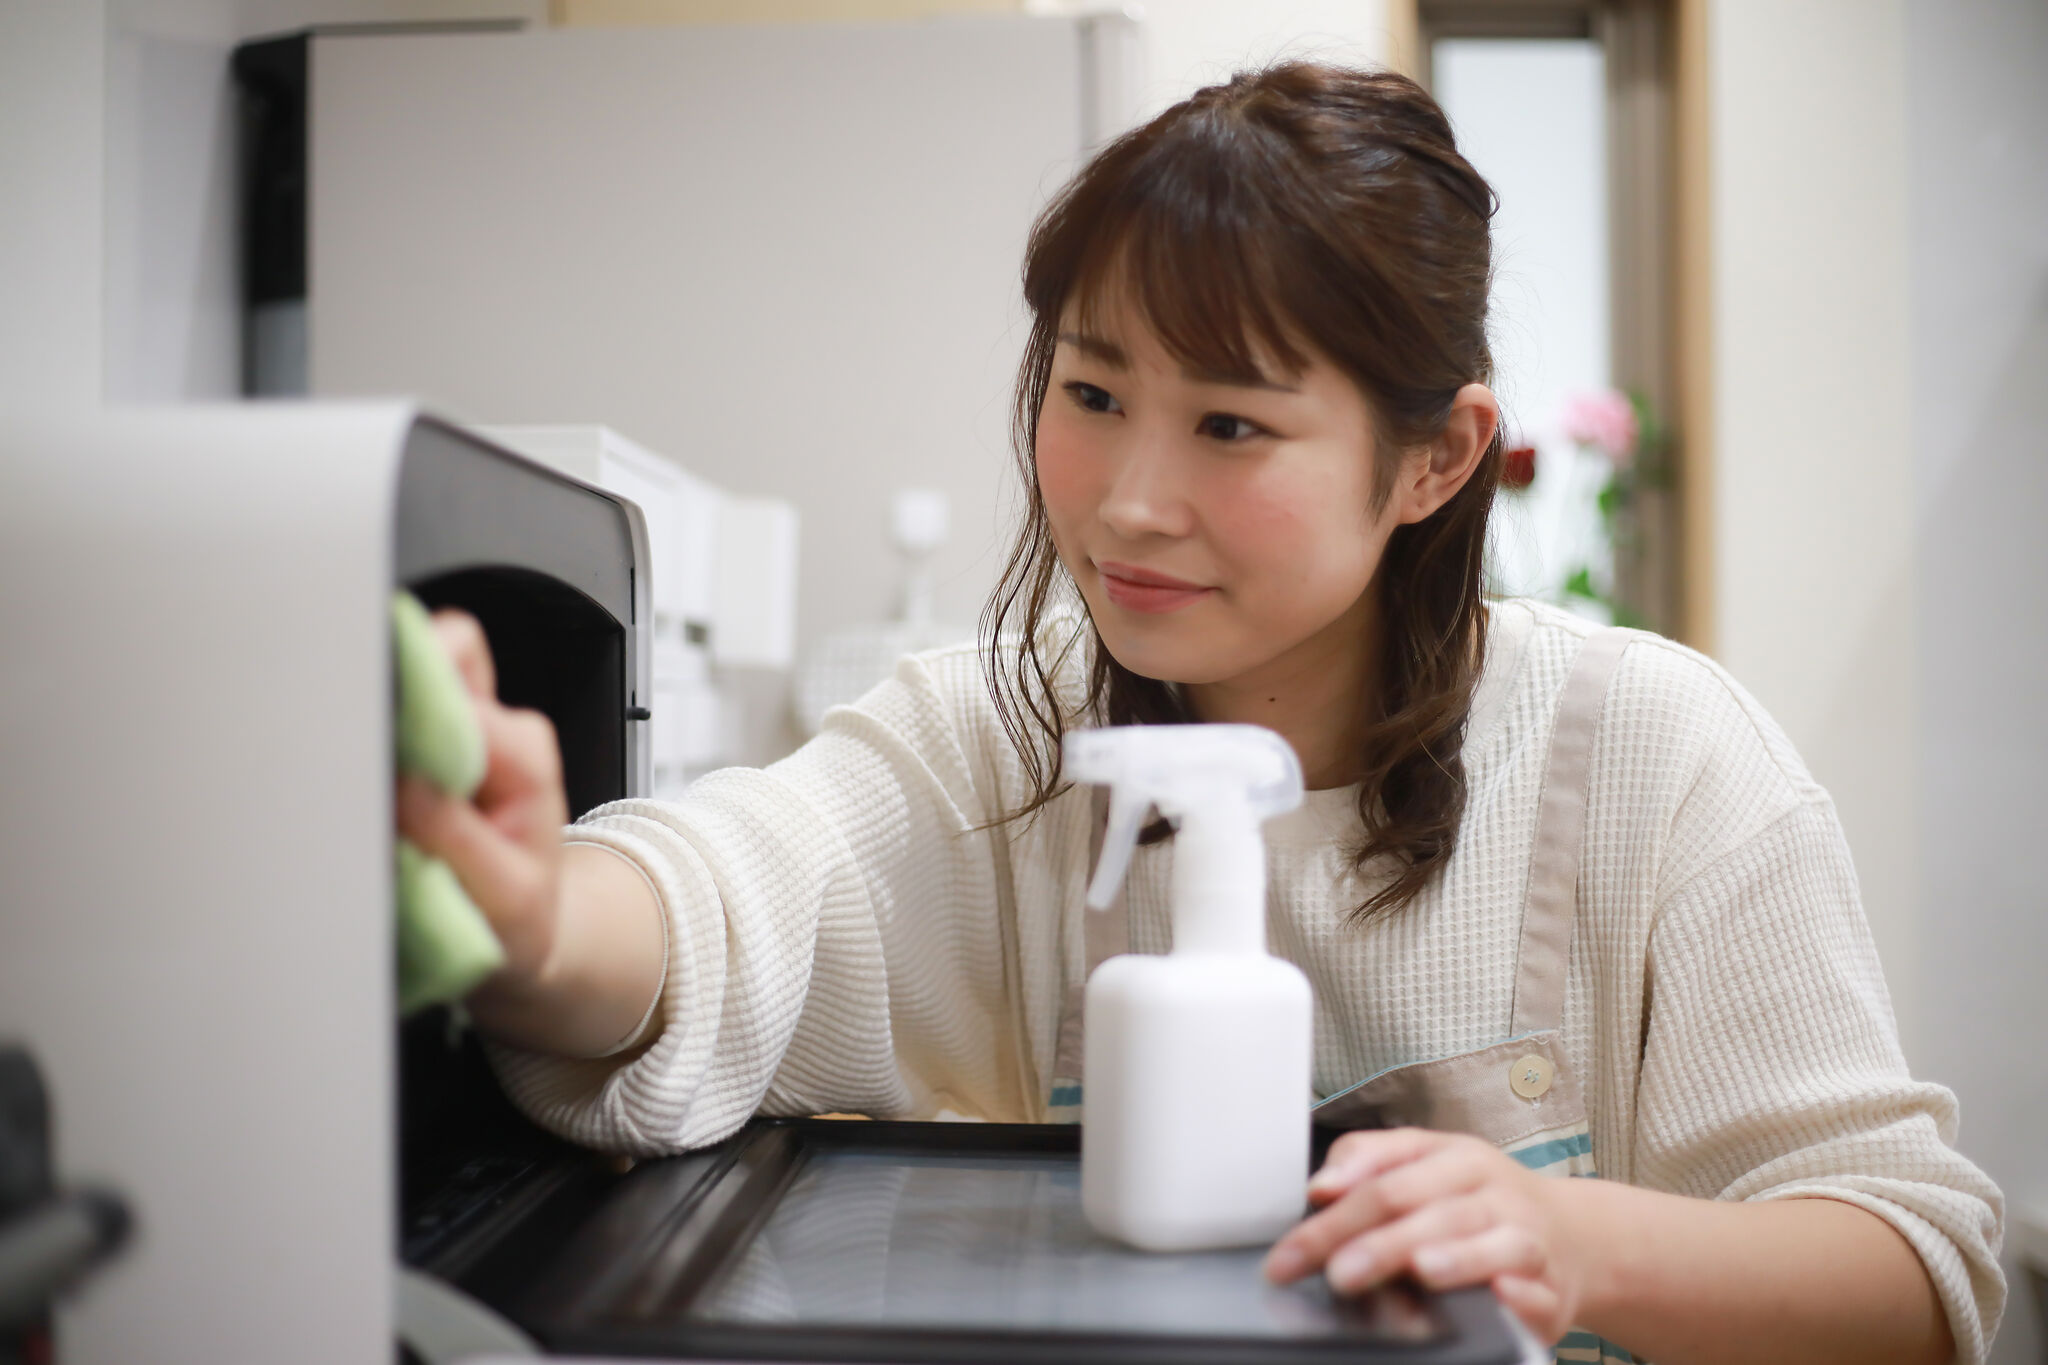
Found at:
<point>1552,901</point>
<point>1107,933</point>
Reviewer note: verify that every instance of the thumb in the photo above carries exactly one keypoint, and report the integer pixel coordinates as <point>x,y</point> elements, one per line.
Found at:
<point>508,883</point>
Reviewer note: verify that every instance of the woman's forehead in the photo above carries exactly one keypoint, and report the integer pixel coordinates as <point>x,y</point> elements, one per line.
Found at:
<point>1112,325</point>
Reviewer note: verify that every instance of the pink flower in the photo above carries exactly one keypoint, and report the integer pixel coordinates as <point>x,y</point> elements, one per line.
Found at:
<point>1603,420</point>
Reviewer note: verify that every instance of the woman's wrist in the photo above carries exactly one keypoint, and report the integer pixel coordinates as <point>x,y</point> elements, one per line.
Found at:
<point>651,911</point>
<point>595,989</point>
<point>1596,1230</point>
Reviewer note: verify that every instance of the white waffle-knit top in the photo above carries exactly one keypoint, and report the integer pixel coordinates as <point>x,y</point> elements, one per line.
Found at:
<point>850,931</point>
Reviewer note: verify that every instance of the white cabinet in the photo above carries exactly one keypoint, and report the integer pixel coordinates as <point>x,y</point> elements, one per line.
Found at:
<point>724,589</point>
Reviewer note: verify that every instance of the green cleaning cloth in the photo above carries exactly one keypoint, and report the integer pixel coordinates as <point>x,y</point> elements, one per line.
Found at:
<point>445,945</point>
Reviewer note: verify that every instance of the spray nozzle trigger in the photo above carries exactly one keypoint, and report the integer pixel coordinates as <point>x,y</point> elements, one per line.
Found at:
<point>1220,780</point>
<point>1126,817</point>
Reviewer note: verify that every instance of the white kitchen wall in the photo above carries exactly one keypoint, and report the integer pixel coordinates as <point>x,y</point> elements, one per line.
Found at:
<point>1192,43</point>
<point>1881,349</point>
<point>1813,501</point>
<point>52,100</point>
<point>1977,127</point>
<point>118,220</point>
<point>172,307</point>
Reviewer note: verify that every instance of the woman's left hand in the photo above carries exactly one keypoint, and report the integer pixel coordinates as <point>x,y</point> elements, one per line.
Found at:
<point>1450,1210</point>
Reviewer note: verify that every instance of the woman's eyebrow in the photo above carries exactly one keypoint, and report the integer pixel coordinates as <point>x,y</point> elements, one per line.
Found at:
<point>1107,352</point>
<point>1239,379</point>
<point>1099,349</point>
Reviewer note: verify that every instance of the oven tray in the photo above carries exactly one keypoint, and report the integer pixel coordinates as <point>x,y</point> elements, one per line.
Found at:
<point>830,1240</point>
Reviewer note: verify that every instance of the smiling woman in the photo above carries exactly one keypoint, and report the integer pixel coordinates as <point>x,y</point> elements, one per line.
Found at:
<point>1224,533</point>
<point>1257,367</point>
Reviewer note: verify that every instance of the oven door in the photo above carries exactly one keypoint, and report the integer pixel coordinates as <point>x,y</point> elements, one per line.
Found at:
<point>831,1240</point>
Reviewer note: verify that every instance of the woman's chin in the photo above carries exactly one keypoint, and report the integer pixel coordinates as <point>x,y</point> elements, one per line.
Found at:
<point>1185,663</point>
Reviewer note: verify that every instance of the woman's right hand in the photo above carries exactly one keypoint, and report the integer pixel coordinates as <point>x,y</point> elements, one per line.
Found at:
<point>505,843</point>
<point>585,938</point>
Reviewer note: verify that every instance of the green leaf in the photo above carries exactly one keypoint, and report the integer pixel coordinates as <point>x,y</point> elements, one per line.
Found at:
<point>1649,431</point>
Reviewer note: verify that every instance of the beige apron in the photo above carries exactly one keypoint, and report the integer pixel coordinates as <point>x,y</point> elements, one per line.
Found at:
<point>1519,1093</point>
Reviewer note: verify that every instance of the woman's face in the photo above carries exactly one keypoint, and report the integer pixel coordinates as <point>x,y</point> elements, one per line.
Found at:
<point>1220,527</point>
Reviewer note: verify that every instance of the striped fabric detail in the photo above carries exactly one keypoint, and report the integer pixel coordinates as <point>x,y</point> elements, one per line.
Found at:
<point>1063,1105</point>
<point>1556,1151</point>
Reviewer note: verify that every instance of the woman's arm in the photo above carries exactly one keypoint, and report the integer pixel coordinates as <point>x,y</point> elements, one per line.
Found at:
<point>834,939</point>
<point>1678,1280</point>
<point>1683,1281</point>
<point>596,989</point>
<point>1788,1188</point>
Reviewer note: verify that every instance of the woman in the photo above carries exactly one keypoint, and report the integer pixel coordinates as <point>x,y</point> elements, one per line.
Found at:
<point>1259,452</point>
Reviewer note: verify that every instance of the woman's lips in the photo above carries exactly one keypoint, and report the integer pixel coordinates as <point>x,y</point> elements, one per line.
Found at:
<point>1137,589</point>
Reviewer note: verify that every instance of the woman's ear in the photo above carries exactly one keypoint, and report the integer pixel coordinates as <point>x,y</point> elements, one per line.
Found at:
<point>1433,474</point>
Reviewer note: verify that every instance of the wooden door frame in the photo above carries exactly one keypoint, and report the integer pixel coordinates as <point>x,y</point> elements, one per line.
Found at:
<point>1660,293</point>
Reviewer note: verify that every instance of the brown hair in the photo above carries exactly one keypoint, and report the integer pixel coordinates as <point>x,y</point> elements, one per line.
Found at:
<point>1299,206</point>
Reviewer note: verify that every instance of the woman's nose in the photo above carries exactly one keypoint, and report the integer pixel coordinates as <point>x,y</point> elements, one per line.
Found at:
<point>1146,496</point>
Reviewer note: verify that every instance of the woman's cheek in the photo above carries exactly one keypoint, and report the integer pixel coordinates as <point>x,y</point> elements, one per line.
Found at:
<point>1065,477</point>
<point>1296,540</point>
<point>1269,533</point>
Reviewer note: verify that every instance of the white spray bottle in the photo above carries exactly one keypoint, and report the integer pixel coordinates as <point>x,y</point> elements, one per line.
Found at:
<point>1195,1094</point>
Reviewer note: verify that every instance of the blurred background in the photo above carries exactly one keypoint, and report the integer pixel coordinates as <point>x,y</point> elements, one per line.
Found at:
<point>1771,324</point>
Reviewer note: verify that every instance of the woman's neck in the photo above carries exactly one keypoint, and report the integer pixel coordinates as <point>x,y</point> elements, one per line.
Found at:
<point>1317,695</point>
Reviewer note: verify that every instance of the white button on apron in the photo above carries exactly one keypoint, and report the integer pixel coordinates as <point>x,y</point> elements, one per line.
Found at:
<point>1530,1076</point>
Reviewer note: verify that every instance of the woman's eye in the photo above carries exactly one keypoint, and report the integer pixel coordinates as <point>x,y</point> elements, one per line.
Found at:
<point>1091,398</point>
<point>1221,426</point>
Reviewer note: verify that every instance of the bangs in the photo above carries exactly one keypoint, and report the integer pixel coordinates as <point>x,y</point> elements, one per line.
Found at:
<point>1192,254</point>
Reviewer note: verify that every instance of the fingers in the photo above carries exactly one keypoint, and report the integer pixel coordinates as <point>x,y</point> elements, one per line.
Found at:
<point>1497,1249</point>
<point>1355,1156</point>
<point>1412,1167</point>
<point>1447,1244</point>
<point>463,640</point>
<point>445,826</point>
<point>1455,1165</point>
<point>1449,1209</point>
<point>511,885</point>
<point>522,786</point>
<point>1389,1249</point>
<point>504,844</point>
<point>458,833</point>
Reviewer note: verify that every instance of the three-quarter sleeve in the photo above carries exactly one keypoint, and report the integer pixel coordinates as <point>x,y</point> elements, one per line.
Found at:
<point>1771,1066</point>
<point>834,942</point>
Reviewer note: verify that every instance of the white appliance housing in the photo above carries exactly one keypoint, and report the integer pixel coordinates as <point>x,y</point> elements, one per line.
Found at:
<point>196,839</point>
